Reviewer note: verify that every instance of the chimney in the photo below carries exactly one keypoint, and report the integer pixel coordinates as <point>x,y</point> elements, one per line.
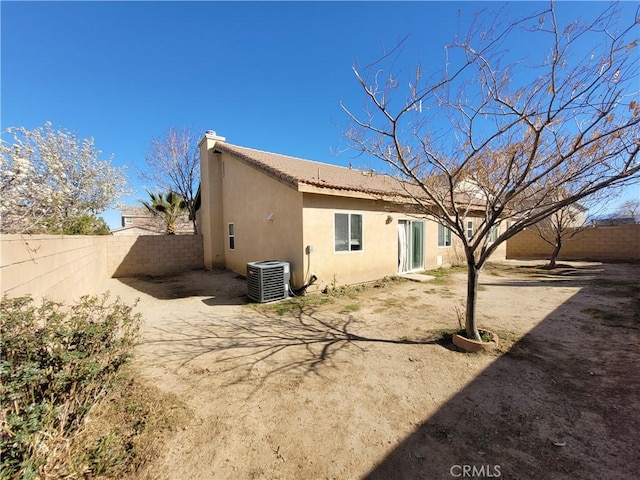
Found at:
<point>211,135</point>
<point>211,186</point>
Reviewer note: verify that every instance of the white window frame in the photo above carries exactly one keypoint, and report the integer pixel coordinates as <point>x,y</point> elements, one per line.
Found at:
<point>350,248</point>
<point>231,235</point>
<point>493,233</point>
<point>446,236</point>
<point>469,229</point>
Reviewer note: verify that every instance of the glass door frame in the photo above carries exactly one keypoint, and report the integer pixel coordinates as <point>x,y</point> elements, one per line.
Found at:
<point>410,250</point>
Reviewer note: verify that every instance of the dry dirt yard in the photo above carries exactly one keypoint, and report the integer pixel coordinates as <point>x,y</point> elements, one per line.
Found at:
<point>366,384</point>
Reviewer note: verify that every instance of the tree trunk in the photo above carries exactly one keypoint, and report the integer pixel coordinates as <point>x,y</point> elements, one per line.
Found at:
<point>192,217</point>
<point>555,253</point>
<point>472,295</point>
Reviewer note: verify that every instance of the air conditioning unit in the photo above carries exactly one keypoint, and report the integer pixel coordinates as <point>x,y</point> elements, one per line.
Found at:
<point>267,281</point>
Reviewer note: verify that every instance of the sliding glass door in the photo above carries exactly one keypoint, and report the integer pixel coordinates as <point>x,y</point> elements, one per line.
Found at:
<point>410,245</point>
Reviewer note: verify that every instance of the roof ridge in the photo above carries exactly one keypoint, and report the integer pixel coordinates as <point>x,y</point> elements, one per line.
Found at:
<point>299,158</point>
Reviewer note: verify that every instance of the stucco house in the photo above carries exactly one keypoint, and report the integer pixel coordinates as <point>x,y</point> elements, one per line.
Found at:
<point>342,225</point>
<point>137,220</point>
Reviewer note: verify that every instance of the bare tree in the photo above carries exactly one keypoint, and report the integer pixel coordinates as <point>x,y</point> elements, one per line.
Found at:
<point>174,165</point>
<point>630,209</point>
<point>503,135</point>
<point>561,227</point>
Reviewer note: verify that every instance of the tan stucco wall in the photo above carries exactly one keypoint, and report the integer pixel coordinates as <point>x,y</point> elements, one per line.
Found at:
<point>63,268</point>
<point>267,218</point>
<point>619,243</point>
<point>500,253</point>
<point>209,215</point>
<point>379,257</point>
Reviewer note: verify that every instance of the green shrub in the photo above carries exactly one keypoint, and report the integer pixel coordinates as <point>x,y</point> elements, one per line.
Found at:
<point>57,361</point>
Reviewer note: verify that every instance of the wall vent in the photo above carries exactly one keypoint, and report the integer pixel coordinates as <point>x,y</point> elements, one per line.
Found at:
<point>267,281</point>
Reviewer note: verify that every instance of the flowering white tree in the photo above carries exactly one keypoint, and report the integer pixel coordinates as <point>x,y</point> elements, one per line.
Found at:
<point>49,176</point>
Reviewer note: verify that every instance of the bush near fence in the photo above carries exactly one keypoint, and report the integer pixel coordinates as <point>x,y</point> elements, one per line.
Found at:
<point>57,362</point>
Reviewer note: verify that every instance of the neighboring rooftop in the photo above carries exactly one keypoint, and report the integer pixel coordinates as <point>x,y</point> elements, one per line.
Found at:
<point>135,211</point>
<point>612,221</point>
<point>140,217</point>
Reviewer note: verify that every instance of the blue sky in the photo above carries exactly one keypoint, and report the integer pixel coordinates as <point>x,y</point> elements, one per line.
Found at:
<point>267,75</point>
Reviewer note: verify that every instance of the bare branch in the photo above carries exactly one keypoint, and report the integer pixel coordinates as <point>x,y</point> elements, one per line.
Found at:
<point>503,137</point>
<point>174,166</point>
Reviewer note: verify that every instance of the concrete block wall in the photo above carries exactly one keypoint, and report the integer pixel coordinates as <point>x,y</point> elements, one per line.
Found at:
<point>615,243</point>
<point>58,267</point>
<point>63,268</point>
<point>153,254</point>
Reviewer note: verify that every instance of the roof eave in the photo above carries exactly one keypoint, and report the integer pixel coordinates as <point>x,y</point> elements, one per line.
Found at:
<point>353,193</point>
<point>264,169</point>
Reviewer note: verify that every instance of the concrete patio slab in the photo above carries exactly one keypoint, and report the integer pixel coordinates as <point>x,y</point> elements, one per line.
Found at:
<point>418,277</point>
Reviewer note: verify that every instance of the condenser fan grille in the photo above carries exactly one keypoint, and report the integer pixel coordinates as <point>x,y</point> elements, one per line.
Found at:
<point>267,281</point>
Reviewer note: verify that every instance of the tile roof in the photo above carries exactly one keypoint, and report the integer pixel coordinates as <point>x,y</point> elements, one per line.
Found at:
<point>141,217</point>
<point>134,211</point>
<point>298,171</point>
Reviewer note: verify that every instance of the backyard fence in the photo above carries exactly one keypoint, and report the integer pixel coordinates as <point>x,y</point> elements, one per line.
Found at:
<point>65,267</point>
<point>616,243</point>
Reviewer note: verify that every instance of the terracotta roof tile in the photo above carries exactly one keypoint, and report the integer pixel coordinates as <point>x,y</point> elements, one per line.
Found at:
<point>296,171</point>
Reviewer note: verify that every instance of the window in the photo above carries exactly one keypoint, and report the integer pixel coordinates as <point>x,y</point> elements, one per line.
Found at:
<point>128,221</point>
<point>469,229</point>
<point>444,236</point>
<point>348,232</point>
<point>232,237</point>
<point>493,233</point>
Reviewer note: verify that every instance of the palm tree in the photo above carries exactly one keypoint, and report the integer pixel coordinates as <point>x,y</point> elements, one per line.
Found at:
<point>169,206</point>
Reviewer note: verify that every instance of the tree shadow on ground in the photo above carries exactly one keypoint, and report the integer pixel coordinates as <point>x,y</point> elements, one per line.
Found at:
<point>261,344</point>
<point>540,276</point>
<point>561,404</point>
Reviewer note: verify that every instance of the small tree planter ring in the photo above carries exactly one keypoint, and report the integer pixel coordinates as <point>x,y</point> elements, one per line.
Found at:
<point>471,345</point>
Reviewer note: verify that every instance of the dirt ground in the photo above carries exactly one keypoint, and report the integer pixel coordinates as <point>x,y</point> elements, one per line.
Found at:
<point>364,384</point>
